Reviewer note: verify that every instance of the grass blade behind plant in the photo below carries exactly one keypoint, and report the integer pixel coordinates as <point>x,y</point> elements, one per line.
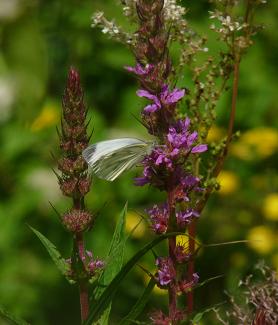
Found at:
<point>101,304</point>
<point>140,304</point>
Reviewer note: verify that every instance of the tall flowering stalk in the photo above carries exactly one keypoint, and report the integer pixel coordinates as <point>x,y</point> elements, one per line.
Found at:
<point>75,183</point>
<point>166,168</point>
<point>173,165</point>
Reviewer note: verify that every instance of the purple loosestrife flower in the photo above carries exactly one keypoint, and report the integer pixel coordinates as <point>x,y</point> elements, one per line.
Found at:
<point>159,218</point>
<point>140,70</point>
<point>166,273</point>
<point>186,286</point>
<point>179,137</point>
<point>165,98</point>
<point>185,217</point>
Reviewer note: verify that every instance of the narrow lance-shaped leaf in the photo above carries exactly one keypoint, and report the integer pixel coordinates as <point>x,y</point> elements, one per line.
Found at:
<point>103,301</point>
<point>140,304</point>
<point>54,253</point>
<point>114,260</point>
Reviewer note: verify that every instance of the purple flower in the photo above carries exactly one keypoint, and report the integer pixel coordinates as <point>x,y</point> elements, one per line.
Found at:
<point>166,271</point>
<point>171,97</point>
<point>165,98</point>
<point>186,286</point>
<point>179,137</point>
<point>159,218</point>
<point>140,70</point>
<point>185,217</point>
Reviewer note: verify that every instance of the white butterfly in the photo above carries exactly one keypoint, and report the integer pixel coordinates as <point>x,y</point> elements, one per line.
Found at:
<point>109,159</point>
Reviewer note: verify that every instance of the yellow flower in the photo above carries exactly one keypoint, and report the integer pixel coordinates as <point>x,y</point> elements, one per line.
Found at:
<point>261,239</point>
<point>229,182</point>
<point>262,142</point>
<point>270,207</point>
<point>215,134</point>
<point>133,220</point>
<point>48,117</point>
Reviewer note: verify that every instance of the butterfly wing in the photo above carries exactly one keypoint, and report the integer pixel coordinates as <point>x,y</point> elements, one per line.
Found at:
<point>109,159</point>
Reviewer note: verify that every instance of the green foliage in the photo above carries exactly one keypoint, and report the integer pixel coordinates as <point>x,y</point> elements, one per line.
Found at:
<point>140,304</point>
<point>108,294</point>
<point>39,41</point>
<point>54,254</point>
<point>4,314</point>
<point>114,262</point>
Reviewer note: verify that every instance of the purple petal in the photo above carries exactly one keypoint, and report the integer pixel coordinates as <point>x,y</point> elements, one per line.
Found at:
<point>146,94</point>
<point>199,148</point>
<point>192,138</point>
<point>151,108</point>
<point>174,96</point>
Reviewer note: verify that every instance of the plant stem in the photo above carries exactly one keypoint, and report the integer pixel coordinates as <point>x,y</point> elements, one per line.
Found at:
<point>172,295</point>
<point>83,284</point>
<point>191,264</point>
<point>217,169</point>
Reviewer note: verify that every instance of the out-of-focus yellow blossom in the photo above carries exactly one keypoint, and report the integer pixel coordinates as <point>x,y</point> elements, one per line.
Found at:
<point>215,134</point>
<point>182,240</point>
<point>48,117</point>
<point>261,239</point>
<point>134,220</point>
<point>229,182</point>
<point>260,142</point>
<point>270,207</point>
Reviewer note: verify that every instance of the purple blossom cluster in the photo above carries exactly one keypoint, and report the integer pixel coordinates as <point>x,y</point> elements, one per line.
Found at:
<point>168,165</point>
<point>92,265</point>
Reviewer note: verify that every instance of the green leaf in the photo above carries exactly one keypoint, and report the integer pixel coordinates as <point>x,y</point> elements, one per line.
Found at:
<point>15,320</point>
<point>115,258</point>
<point>54,253</point>
<point>140,304</point>
<point>101,304</point>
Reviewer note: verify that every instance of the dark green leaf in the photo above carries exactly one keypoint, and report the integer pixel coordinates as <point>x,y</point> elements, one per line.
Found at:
<point>54,253</point>
<point>114,260</point>
<point>101,304</point>
<point>15,320</point>
<point>140,304</point>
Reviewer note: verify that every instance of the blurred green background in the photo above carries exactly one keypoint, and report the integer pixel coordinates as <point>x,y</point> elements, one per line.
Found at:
<point>39,41</point>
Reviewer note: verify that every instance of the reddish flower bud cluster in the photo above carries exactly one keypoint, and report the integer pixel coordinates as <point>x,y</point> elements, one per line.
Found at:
<point>74,181</point>
<point>77,221</point>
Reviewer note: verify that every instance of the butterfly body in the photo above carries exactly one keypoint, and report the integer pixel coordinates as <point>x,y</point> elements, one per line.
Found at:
<point>109,159</point>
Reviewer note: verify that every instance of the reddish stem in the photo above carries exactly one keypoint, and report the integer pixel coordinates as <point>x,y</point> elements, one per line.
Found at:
<point>172,294</point>
<point>83,284</point>
<point>190,270</point>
